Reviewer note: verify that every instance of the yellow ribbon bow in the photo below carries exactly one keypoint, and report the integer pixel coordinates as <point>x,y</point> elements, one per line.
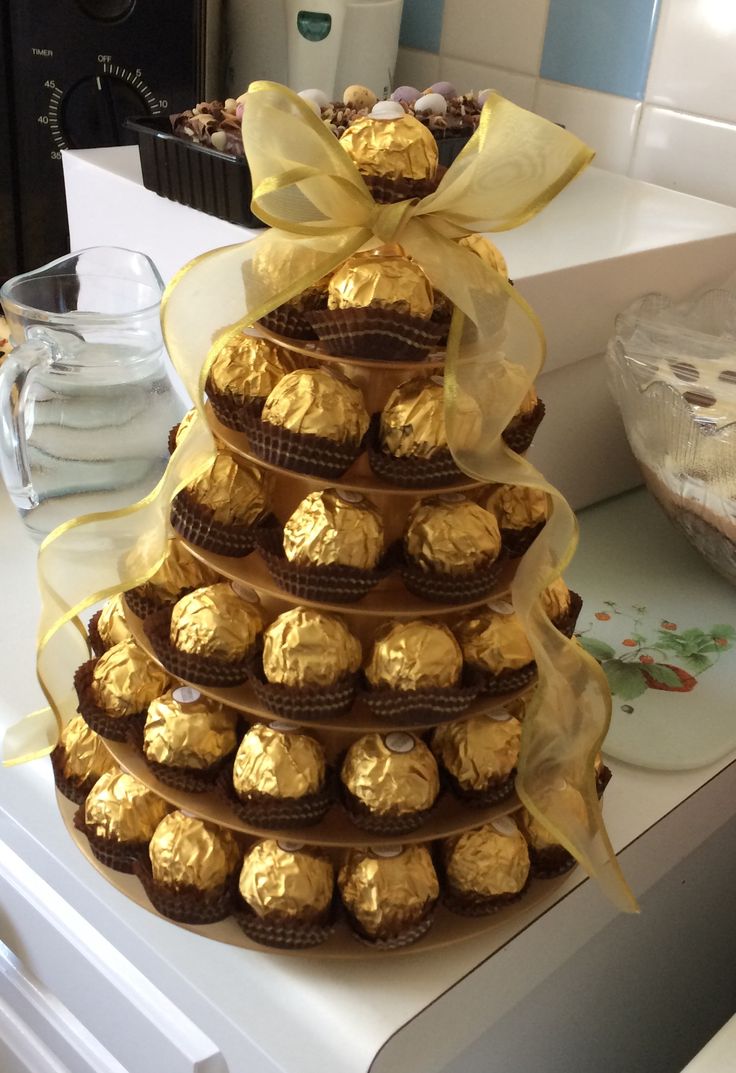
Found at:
<point>320,211</point>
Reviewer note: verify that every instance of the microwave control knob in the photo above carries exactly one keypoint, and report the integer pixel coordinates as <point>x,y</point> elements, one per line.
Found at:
<point>93,110</point>
<point>106,10</point>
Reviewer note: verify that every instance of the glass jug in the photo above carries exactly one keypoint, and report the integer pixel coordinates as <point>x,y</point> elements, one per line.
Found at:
<point>86,401</point>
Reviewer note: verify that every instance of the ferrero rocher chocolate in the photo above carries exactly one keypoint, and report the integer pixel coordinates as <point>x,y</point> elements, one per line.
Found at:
<point>517,507</point>
<point>280,763</point>
<point>85,754</point>
<point>451,534</point>
<point>335,527</point>
<point>232,490</point>
<point>317,402</point>
<point>188,733</point>
<point>478,750</point>
<point>388,890</point>
<point>414,655</point>
<point>186,422</point>
<point>179,570</point>
<point>494,641</point>
<point>247,368</point>
<point>121,808</point>
<point>556,599</point>
<point>566,796</point>
<point>125,680</point>
<point>278,879</point>
<point>488,253</point>
<point>393,148</point>
<point>391,773</point>
<point>413,419</point>
<point>490,860</point>
<point>528,404</point>
<point>188,852</point>
<point>381,278</point>
<point>307,648</point>
<point>111,624</point>
<point>282,261</point>
<point>215,621</point>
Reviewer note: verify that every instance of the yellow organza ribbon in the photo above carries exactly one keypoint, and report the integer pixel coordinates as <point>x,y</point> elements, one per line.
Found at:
<point>320,212</point>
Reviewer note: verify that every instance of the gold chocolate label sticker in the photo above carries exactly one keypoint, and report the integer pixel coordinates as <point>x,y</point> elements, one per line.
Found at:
<point>186,695</point>
<point>245,592</point>
<point>504,825</point>
<point>350,497</point>
<point>386,851</point>
<point>399,742</point>
<point>283,726</point>
<point>501,716</point>
<point>289,847</point>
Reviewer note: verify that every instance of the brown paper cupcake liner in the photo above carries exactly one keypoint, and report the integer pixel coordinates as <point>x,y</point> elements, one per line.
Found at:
<point>405,705</point>
<point>566,623</point>
<point>191,780</point>
<point>385,823</point>
<point>315,455</point>
<point>116,728</point>
<point>390,191</point>
<point>438,471</point>
<point>451,588</point>
<point>515,542</point>
<point>409,934</point>
<point>331,583</point>
<point>473,904</point>
<point>550,862</point>
<point>289,321</point>
<point>519,433</point>
<point>497,789</point>
<point>97,645</point>
<point>280,931</point>
<point>121,856</point>
<point>186,905</point>
<point>72,788</point>
<point>307,703</point>
<point>142,604</point>
<point>375,333</point>
<point>442,317</point>
<point>203,670</point>
<point>171,440</point>
<point>274,813</point>
<point>196,524</point>
<point>238,414</point>
<point>602,779</point>
<point>495,685</point>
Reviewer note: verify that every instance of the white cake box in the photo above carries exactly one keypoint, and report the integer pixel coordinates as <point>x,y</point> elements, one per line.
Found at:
<point>600,244</point>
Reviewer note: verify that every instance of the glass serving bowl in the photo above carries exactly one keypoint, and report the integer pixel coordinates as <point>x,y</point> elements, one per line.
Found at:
<point>672,370</point>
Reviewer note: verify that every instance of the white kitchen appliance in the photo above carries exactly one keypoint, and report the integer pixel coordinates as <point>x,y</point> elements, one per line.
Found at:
<point>322,44</point>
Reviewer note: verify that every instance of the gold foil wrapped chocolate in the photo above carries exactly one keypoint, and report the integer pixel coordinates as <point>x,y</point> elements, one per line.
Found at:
<point>489,860</point>
<point>451,534</point>
<point>488,253</point>
<point>280,763</point>
<point>188,852</point>
<point>307,648</point>
<point>414,655</point>
<point>121,808</point>
<point>479,749</point>
<point>386,891</point>
<point>282,262</point>
<point>85,754</point>
<point>556,599</point>
<point>392,148</point>
<point>413,419</point>
<point>179,570</point>
<point>191,734</point>
<point>494,641</point>
<point>247,368</point>
<point>335,527</point>
<point>125,680</point>
<point>539,836</point>
<point>517,507</point>
<point>317,402</point>
<point>279,880</point>
<point>111,624</point>
<point>391,773</point>
<point>215,621</point>
<point>186,422</point>
<point>381,278</point>
<point>233,491</point>
<point>528,404</point>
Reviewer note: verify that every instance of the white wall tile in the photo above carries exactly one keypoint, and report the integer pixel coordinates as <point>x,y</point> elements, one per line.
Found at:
<point>693,64</point>
<point>607,123</point>
<point>688,153</point>
<point>466,76</point>
<point>503,33</point>
<point>416,68</point>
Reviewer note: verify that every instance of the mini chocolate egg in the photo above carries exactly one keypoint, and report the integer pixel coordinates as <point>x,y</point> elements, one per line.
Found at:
<point>186,729</point>
<point>406,93</point>
<point>484,95</point>
<point>125,680</point>
<point>381,278</point>
<point>388,889</point>
<point>314,96</point>
<point>307,648</point>
<point>451,534</point>
<point>318,402</point>
<point>414,655</point>
<point>287,882</point>
<point>216,620</point>
<point>335,527</point>
<point>387,110</point>
<point>86,756</point>
<point>359,97</point>
<point>247,368</point>
<point>186,852</point>
<point>431,104</point>
<point>391,774</point>
<point>278,763</point>
<point>122,808</point>
<point>478,750</point>
<point>399,148</point>
<point>489,860</point>
<point>232,490</point>
<point>494,641</point>
<point>446,89</point>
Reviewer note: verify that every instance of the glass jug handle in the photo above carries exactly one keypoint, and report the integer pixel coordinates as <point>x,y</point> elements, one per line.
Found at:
<point>14,373</point>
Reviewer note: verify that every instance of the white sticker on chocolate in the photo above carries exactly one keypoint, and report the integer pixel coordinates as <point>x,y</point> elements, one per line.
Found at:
<point>387,851</point>
<point>501,716</point>
<point>283,726</point>
<point>289,847</point>
<point>399,742</point>
<point>502,607</point>
<point>350,497</point>
<point>186,695</point>
<point>245,592</point>
<point>504,825</point>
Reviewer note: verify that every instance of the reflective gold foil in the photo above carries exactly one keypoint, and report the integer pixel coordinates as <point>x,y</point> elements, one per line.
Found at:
<point>478,749</point>
<point>528,404</point>
<point>517,507</point>
<point>413,419</point>
<point>394,148</point>
<point>247,368</point>
<point>188,852</point>
<point>232,490</point>
<point>121,808</point>
<point>485,862</point>
<point>317,402</point>
<point>85,753</point>
<point>187,420</point>
<point>179,570</point>
<point>386,894</point>
<point>537,834</point>
<point>306,648</point>
<point>215,621</point>
<point>295,884</point>
<point>279,763</point>
<point>381,278</point>
<point>386,780</point>
<point>329,527</point>
<point>111,624</point>
<point>125,680</point>
<point>194,735</point>
<point>488,253</point>
<point>414,655</point>
<point>280,263</point>
<point>556,599</point>
<point>494,641</point>
<point>451,534</point>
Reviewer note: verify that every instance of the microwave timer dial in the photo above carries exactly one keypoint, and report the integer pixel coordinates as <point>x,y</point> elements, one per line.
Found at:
<point>92,110</point>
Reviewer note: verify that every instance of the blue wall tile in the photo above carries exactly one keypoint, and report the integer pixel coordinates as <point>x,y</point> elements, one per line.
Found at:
<point>421,24</point>
<point>601,44</point>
